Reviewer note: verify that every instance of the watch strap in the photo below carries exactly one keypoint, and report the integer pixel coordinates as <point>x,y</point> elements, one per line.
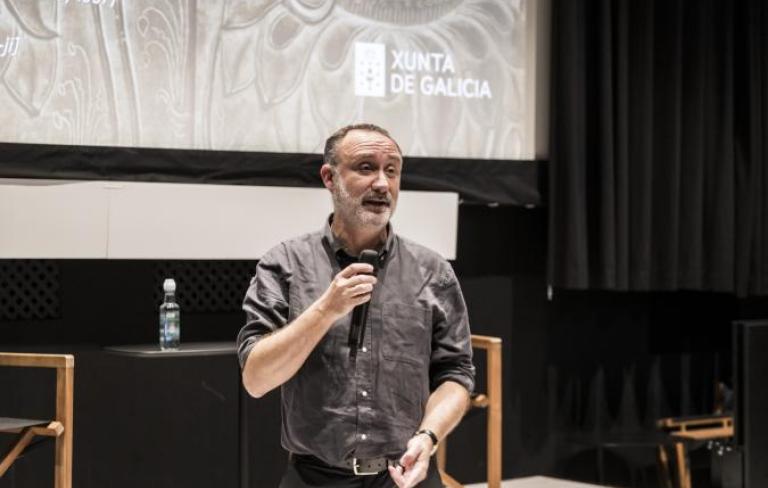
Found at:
<point>431,436</point>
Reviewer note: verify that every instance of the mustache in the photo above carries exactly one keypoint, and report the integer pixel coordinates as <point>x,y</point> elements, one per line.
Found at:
<point>384,198</point>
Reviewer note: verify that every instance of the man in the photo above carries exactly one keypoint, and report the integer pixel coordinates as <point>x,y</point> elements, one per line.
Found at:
<point>376,418</point>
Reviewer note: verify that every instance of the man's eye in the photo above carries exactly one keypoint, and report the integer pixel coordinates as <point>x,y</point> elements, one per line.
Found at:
<point>364,167</point>
<point>392,171</point>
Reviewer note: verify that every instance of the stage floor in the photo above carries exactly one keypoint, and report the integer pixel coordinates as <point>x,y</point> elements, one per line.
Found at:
<point>537,482</point>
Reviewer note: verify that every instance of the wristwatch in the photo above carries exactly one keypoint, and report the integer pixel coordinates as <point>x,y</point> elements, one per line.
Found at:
<point>431,436</point>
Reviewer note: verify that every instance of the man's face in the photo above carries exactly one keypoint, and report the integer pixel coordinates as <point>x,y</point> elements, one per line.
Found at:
<point>365,182</point>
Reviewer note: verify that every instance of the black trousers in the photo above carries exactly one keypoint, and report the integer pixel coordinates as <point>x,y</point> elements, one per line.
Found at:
<point>307,473</point>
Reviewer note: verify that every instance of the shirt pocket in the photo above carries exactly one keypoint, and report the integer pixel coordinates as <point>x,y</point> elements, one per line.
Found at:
<point>406,333</point>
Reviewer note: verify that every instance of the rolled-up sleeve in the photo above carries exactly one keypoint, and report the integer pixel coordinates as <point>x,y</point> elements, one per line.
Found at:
<point>265,303</point>
<point>451,357</point>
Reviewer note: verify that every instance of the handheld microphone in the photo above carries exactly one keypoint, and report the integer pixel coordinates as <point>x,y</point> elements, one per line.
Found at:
<point>360,312</point>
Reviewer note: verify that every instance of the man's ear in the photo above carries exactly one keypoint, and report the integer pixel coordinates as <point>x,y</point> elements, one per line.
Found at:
<point>326,173</point>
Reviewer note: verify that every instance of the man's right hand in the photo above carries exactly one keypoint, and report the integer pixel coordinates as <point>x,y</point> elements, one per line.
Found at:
<point>277,357</point>
<point>351,287</point>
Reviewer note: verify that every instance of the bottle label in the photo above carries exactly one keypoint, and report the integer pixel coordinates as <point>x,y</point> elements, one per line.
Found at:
<point>169,329</point>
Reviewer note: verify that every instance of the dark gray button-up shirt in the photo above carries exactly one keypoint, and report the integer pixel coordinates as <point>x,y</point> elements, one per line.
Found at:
<point>417,336</point>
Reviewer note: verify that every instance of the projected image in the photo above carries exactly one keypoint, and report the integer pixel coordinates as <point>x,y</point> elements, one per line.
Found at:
<point>448,77</point>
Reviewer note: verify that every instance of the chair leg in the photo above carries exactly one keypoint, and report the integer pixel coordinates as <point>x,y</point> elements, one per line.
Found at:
<point>64,412</point>
<point>683,473</point>
<point>665,480</point>
<point>494,426</point>
<point>16,449</point>
<point>442,454</point>
<point>448,480</point>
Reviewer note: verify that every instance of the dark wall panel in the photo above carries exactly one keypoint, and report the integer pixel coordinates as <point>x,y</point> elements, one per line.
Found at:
<point>751,365</point>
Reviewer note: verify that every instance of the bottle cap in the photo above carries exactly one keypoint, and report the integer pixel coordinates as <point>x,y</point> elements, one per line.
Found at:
<point>169,286</point>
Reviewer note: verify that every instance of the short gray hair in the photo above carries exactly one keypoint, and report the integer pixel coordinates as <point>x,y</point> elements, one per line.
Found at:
<point>331,144</point>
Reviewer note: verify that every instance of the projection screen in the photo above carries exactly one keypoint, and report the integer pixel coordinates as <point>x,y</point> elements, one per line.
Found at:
<point>449,78</point>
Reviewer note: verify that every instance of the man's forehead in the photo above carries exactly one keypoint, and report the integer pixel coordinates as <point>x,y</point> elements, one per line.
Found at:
<point>363,142</point>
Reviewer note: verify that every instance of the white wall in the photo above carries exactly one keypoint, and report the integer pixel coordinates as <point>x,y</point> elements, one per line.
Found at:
<point>122,220</point>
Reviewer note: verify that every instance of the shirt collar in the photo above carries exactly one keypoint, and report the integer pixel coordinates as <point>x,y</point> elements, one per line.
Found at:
<point>337,245</point>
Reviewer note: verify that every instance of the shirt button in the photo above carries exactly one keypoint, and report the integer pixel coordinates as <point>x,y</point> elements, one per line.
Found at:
<point>364,393</point>
<point>365,349</point>
<point>363,436</point>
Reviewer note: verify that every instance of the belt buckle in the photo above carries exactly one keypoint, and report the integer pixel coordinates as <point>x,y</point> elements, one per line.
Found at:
<point>355,465</point>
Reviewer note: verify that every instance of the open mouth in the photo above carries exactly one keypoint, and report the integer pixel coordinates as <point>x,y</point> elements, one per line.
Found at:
<point>376,204</point>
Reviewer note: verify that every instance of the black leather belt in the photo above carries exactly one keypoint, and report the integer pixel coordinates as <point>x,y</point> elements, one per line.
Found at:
<point>365,467</point>
<point>359,467</point>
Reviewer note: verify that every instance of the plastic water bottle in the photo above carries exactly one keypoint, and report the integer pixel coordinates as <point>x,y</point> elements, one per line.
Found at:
<point>170,318</point>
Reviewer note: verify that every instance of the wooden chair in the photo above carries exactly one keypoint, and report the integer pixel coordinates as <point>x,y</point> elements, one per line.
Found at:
<point>59,428</point>
<point>490,400</point>
<point>682,429</point>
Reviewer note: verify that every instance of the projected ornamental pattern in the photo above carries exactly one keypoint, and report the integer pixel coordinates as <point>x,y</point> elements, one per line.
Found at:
<point>448,77</point>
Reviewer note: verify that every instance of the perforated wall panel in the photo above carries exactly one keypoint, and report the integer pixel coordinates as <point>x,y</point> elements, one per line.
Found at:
<point>206,286</point>
<point>29,289</point>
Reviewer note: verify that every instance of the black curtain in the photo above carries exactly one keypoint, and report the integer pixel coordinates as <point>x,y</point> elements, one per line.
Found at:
<point>658,145</point>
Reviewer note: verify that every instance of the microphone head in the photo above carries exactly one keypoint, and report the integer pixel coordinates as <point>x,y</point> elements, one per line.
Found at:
<point>371,257</point>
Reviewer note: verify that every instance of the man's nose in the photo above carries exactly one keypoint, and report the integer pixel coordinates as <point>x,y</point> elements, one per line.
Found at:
<point>381,183</point>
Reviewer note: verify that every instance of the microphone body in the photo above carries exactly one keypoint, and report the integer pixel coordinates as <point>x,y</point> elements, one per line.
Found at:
<point>360,312</point>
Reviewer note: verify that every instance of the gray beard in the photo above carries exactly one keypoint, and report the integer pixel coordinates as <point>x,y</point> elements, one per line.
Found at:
<point>352,211</point>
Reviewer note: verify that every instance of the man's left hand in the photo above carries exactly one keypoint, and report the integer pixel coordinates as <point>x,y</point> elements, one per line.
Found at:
<point>414,463</point>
